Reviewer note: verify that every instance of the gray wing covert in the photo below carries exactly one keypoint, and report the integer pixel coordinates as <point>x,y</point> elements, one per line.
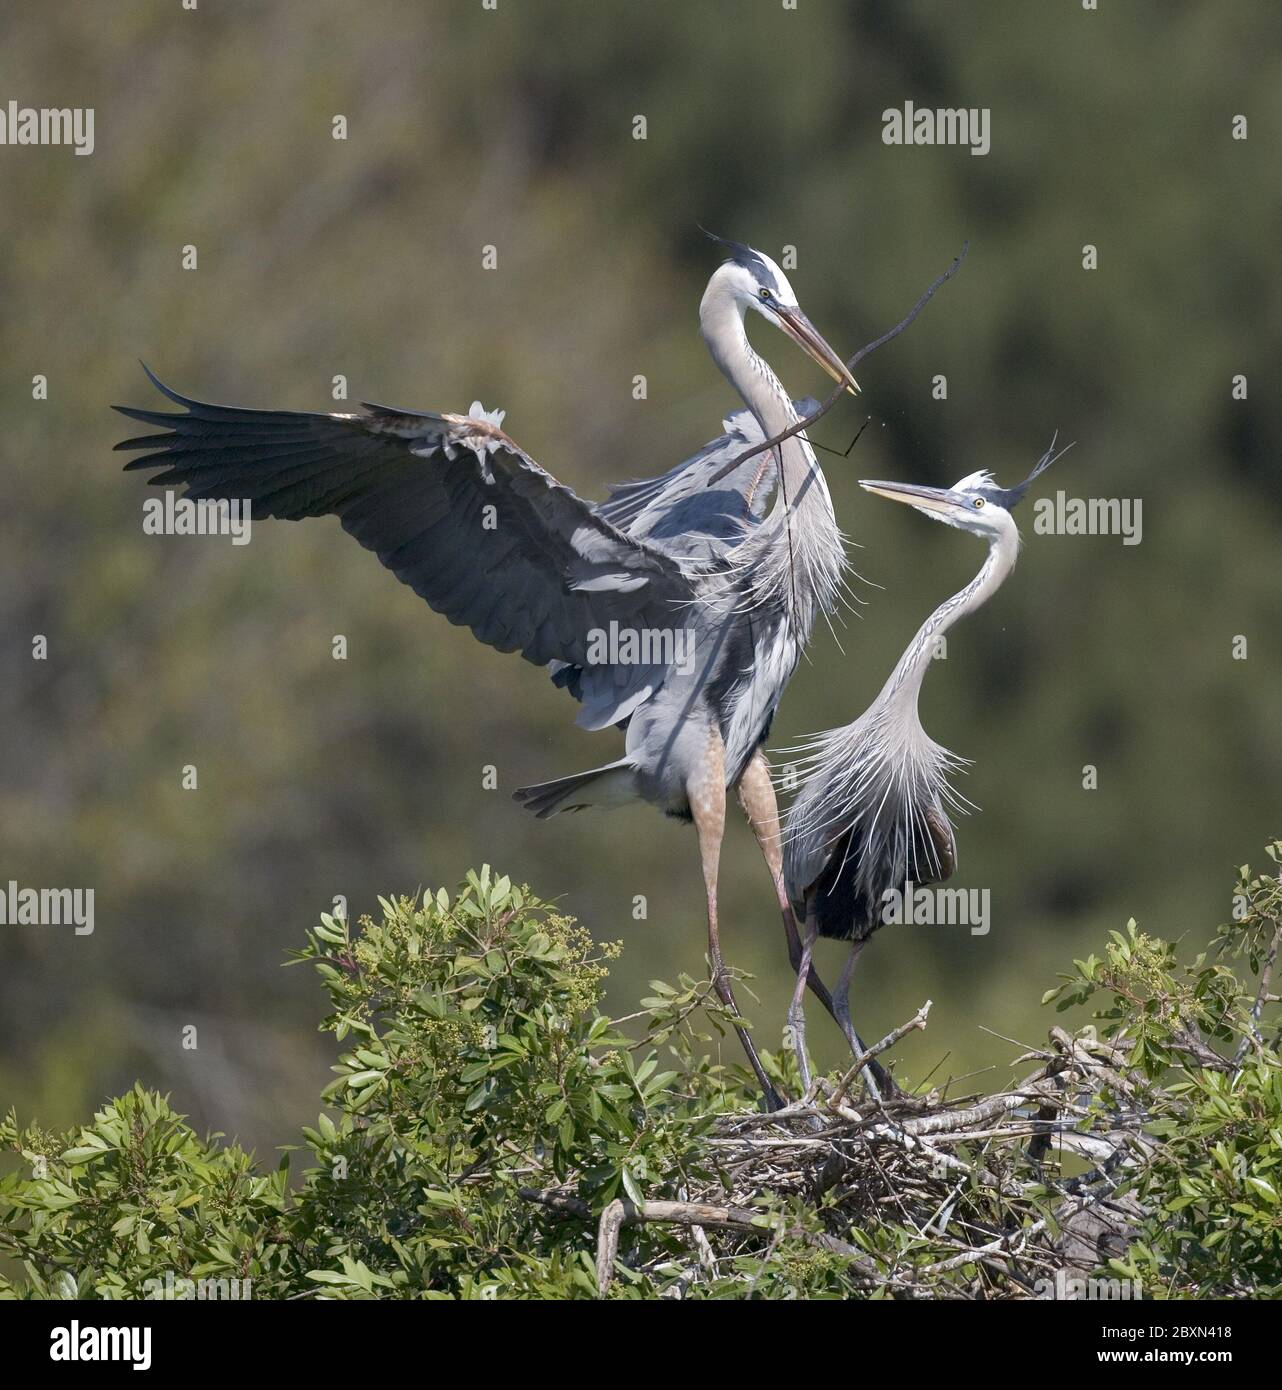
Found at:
<point>680,514</point>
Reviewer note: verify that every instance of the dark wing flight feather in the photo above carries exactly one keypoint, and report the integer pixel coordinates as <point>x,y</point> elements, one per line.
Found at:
<point>536,574</point>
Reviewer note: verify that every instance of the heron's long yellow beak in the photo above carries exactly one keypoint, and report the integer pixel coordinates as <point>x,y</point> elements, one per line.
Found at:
<point>932,499</point>
<point>807,337</point>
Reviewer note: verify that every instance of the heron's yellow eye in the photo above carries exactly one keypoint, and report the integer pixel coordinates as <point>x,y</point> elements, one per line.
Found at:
<point>765,293</point>
<point>979,502</point>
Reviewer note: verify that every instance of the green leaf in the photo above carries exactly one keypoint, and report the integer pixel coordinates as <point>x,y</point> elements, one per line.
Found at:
<point>363,1078</point>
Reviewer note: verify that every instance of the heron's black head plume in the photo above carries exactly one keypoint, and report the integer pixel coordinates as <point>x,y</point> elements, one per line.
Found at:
<point>1010,497</point>
<point>752,261</point>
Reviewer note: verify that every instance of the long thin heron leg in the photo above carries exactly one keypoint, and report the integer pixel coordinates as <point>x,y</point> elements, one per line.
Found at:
<point>796,1012</point>
<point>757,797</point>
<point>876,1077</point>
<point>706,790</point>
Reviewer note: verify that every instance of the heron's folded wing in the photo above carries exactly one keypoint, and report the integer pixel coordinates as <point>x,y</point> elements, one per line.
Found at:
<point>447,502</point>
<point>680,514</point>
<point>941,854</point>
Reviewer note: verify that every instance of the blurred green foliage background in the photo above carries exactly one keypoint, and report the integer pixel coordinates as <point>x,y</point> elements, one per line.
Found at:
<point>363,257</point>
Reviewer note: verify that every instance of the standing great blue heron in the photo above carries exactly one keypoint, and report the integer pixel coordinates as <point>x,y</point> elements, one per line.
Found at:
<point>464,516</point>
<point>870,814</point>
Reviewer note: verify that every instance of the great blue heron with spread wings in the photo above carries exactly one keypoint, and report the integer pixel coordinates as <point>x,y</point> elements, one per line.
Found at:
<point>459,512</point>
<point>870,814</point>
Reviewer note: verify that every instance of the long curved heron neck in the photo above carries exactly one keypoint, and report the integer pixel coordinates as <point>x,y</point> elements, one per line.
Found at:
<point>904,685</point>
<point>798,560</point>
<point>721,318</point>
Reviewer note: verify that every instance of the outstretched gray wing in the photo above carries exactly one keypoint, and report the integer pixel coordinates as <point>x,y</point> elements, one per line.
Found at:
<point>449,504</point>
<point>681,515</point>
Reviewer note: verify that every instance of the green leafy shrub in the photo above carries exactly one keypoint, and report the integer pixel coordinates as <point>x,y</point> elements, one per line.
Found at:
<point>135,1195</point>
<point>1211,1182</point>
<point>490,1133</point>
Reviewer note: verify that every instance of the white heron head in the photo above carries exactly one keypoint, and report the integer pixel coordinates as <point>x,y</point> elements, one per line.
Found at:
<point>974,503</point>
<point>754,281</point>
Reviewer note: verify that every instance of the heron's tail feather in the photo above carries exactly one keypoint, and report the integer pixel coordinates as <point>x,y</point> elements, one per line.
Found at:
<point>610,785</point>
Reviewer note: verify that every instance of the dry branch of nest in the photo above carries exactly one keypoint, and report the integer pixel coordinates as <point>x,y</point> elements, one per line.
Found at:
<point>975,1187</point>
